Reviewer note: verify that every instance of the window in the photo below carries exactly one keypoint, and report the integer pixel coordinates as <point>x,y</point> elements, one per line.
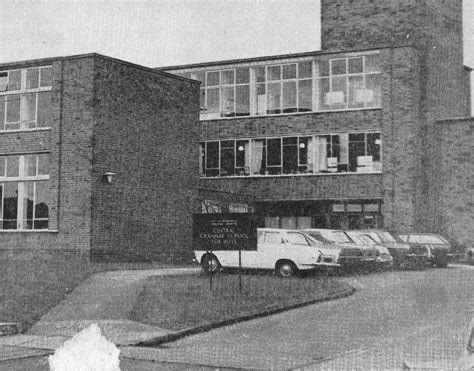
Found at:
<point>297,238</point>
<point>24,192</point>
<point>25,98</point>
<point>307,85</point>
<point>364,152</point>
<point>331,153</point>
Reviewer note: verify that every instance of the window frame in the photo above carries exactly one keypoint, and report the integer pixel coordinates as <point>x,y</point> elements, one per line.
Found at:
<point>24,183</point>
<point>23,93</point>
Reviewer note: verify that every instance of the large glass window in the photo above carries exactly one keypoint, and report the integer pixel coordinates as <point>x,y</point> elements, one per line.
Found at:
<point>25,98</point>
<point>24,192</point>
<point>308,85</point>
<point>330,153</point>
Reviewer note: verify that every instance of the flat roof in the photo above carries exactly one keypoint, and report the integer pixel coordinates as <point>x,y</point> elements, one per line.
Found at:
<point>280,56</point>
<point>33,62</point>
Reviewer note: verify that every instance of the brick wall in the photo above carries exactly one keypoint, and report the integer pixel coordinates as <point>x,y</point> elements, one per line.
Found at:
<point>146,130</point>
<point>357,23</point>
<point>450,206</point>
<point>69,143</point>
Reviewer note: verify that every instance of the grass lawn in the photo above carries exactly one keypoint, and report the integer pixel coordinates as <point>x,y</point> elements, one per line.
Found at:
<point>31,284</point>
<point>180,302</point>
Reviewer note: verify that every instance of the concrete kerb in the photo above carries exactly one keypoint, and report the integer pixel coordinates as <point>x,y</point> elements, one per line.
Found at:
<point>210,326</point>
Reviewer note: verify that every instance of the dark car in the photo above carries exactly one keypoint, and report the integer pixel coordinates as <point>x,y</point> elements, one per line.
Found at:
<point>440,248</point>
<point>405,255</point>
<point>350,254</point>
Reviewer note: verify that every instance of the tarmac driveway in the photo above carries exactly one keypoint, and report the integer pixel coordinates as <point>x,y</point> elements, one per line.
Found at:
<point>394,316</point>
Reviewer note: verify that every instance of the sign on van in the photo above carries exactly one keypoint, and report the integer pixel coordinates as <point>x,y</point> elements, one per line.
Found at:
<point>214,232</point>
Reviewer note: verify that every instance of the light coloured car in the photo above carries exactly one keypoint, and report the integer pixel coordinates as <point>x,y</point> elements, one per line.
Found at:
<point>440,248</point>
<point>286,251</point>
<point>384,259</point>
<point>351,254</point>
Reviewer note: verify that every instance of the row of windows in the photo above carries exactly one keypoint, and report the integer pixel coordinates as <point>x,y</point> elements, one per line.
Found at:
<point>306,86</point>
<point>331,153</point>
<point>26,79</point>
<point>24,190</point>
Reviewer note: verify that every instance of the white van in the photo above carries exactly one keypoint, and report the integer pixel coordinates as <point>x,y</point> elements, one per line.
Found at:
<point>286,251</point>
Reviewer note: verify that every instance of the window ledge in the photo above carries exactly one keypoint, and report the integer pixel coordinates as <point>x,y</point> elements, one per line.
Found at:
<point>29,231</point>
<point>24,130</point>
<point>287,175</point>
<point>291,114</point>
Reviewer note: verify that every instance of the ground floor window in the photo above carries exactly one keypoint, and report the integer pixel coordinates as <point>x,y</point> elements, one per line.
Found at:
<point>350,214</point>
<point>24,192</point>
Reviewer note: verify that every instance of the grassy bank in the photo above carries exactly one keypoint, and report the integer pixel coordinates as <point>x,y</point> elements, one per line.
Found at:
<point>187,301</point>
<point>32,283</point>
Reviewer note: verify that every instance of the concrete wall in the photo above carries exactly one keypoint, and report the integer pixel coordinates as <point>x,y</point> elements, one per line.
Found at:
<point>145,131</point>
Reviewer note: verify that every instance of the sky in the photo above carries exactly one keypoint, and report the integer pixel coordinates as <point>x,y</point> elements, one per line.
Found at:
<point>158,33</point>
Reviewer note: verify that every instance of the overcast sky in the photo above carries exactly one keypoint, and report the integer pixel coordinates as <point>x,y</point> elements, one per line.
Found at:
<point>157,33</point>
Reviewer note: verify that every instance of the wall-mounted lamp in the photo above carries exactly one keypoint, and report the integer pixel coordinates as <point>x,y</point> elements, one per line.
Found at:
<point>241,148</point>
<point>302,145</point>
<point>109,177</point>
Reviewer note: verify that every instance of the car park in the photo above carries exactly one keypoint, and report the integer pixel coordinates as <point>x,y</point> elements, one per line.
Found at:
<point>439,247</point>
<point>351,254</point>
<point>286,251</point>
<point>404,255</point>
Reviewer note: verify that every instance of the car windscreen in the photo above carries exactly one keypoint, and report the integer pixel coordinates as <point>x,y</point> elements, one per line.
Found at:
<point>426,238</point>
<point>386,237</point>
<point>340,236</point>
<point>318,237</point>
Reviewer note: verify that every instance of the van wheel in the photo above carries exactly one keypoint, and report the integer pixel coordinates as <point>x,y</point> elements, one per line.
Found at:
<point>286,269</point>
<point>210,264</point>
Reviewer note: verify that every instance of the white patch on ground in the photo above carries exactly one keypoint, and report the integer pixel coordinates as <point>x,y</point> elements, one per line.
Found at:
<point>88,350</point>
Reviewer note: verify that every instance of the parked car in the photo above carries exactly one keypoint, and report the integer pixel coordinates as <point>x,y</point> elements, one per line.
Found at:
<point>351,254</point>
<point>440,248</point>
<point>384,259</point>
<point>404,255</point>
<point>470,255</point>
<point>286,251</point>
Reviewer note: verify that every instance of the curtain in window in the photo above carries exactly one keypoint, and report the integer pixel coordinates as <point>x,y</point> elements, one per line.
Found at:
<point>257,155</point>
<point>321,154</point>
<point>310,154</point>
<point>247,156</point>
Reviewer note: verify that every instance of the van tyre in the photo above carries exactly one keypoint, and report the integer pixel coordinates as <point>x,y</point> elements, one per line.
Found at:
<point>210,264</point>
<point>286,269</point>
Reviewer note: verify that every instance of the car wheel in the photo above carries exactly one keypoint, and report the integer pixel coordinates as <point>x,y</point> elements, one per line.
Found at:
<point>286,269</point>
<point>441,262</point>
<point>210,264</point>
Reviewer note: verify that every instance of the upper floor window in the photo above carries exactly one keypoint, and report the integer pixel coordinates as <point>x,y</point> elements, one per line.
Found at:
<point>330,153</point>
<point>24,191</point>
<point>310,85</point>
<point>25,98</point>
